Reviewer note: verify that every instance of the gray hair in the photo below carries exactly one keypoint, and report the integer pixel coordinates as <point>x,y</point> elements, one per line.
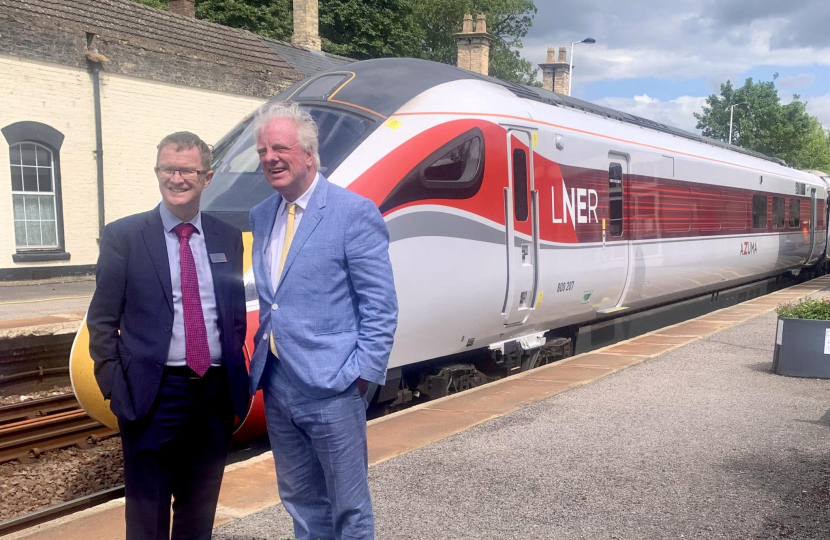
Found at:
<point>185,140</point>
<point>306,126</point>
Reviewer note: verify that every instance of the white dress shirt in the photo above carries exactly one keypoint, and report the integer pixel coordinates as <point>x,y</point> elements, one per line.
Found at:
<point>176,353</point>
<point>274,249</point>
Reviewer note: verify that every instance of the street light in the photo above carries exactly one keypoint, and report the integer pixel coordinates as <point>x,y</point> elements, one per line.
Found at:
<point>571,63</point>
<point>731,112</point>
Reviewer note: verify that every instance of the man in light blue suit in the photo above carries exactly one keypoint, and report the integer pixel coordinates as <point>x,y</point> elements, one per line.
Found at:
<point>328,314</point>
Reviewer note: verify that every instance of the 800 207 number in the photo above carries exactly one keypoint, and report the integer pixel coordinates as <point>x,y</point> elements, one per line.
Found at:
<point>565,286</point>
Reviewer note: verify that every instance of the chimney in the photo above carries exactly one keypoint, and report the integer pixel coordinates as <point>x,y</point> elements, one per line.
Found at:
<point>474,45</point>
<point>556,73</point>
<point>183,7</point>
<point>306,25</point>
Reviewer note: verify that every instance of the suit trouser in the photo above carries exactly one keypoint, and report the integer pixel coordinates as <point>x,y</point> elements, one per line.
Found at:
<point>179,450</point>
<point>321,458</point>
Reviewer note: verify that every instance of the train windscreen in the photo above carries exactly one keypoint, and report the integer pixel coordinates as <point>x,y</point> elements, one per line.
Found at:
<point>238,183</point>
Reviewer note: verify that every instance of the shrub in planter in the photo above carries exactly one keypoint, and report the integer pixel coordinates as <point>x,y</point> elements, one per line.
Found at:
<point>802,340</point>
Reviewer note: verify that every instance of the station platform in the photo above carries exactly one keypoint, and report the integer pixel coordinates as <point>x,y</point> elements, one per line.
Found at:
<point>684,432</point>
<point>27,305</point>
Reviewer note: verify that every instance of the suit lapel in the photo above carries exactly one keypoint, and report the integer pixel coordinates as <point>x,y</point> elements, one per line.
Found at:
<point>267,218</point>
<point>153,234</point>
<point>311,217</point>
<point>213,244</point>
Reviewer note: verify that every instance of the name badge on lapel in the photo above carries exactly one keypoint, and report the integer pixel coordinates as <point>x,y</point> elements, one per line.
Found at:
<point>218,258</point>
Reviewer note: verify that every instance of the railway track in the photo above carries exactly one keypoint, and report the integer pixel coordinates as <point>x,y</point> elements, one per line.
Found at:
<point>28,429</point>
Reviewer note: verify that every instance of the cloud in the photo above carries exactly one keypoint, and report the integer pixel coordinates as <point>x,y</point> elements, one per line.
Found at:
<point>676,112</point>
<point>819,106</point>
<point>797,81</point>
<point>716,39</point>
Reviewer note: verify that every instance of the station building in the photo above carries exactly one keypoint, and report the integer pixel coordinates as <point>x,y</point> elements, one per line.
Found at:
<point>89,88</point>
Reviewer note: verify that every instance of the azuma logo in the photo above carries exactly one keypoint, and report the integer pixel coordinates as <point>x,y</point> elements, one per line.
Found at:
<point>749,248</point>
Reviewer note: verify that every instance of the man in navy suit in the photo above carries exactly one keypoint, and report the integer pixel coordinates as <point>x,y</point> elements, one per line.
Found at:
<point>166,328</point>
<point>328,314</point>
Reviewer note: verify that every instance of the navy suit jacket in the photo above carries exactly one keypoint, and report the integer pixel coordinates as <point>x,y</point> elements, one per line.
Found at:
<point>334,312</point>
<point>130,318</point>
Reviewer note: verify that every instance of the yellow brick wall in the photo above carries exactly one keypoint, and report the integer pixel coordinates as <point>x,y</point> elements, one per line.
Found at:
<point>136,115</point>
<point>60,97</point>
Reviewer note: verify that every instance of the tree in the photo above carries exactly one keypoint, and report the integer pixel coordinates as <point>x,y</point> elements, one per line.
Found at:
<point>364,29</point>
<point>765,125</point>
<point>508,21</point>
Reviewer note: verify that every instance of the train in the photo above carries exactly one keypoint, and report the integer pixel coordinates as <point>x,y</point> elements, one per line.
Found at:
<point>515,213</point>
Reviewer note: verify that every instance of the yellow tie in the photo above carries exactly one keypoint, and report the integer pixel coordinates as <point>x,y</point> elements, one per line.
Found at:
<point>286,245</point>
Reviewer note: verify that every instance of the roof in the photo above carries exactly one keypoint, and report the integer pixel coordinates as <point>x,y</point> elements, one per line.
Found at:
<point>131,18</point>
<point>146,42</point>
<point>305,61</point>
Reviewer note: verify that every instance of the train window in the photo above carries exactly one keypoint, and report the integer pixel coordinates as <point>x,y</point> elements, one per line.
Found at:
<point>520,184</point>
<point>778,209</point>
<point>323,86</point>
<point>238,183</point>
<point>453,171</point>
<point>615,199</point>
<point>458,165</point>
<point>759,212</point>
<point>795,213</point>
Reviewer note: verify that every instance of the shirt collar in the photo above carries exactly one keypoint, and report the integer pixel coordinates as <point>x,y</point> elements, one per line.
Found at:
<point>302,200</point>
<point>169,221</point>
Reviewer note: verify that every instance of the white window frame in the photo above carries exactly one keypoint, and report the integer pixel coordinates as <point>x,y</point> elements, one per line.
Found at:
<point>52,193</point>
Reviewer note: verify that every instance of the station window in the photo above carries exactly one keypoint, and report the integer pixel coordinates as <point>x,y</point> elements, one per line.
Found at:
<point>454,171</point>
<point>795,213</point>
<point>759,212</point>
<point>520,184</point>
<point>615,199</point>
<point>34,159</point>
<point>778,208</point>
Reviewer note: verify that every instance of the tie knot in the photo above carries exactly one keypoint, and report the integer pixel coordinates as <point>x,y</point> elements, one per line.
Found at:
<point>184,230</point>
<point>291,208</point>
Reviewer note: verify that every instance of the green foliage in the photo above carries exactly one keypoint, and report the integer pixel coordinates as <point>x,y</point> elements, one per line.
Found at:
<point>160,4</point>
<point>508,21</point>
<point>806,308</point>
<point>364,29</point>
<point>765,125</point>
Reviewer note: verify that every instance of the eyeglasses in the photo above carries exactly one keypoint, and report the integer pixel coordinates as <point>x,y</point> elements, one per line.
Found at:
<point>187,174</point>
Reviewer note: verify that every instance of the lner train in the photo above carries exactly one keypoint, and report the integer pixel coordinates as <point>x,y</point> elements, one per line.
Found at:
<point>514,211</point>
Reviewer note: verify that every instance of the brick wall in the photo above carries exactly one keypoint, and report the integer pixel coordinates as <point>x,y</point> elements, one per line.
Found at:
<point>60,97</point>
<point>136,114</point>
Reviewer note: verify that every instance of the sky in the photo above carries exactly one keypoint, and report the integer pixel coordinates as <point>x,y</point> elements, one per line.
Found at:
<point>661,58</point>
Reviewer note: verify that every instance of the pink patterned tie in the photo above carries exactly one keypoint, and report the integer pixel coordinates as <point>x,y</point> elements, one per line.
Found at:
<point>197,352</point>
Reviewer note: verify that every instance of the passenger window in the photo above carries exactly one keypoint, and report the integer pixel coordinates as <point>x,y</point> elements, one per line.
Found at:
<point>795,213</point>
<point>615,199</point>
<point>520,184</point>
<point>453,171</point>
<point>759,212</point>
<point>458,165</point>
<point>778,208</point>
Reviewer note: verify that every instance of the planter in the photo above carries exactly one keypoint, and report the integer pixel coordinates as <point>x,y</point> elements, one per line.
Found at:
<point>802,348</point>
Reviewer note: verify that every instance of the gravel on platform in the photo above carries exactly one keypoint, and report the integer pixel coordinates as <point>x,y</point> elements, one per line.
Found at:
<point>700,442</point>
<point>59,476</point>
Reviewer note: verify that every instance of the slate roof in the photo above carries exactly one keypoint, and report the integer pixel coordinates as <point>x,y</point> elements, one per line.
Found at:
<point>306,62</point>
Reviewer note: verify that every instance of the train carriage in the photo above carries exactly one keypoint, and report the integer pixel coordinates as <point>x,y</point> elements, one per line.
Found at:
<point>513,211</point>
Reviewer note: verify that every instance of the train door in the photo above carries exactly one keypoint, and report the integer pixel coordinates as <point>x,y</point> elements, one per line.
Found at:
<point>812,225</point>
<point>616,250</point>
<point>521,217</point>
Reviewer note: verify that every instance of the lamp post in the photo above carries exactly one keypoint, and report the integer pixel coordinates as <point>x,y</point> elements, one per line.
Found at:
<point>571,63</point>
<point>731,113</point>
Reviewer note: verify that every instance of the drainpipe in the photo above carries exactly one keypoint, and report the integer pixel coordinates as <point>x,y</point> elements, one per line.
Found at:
<point>94,61</point>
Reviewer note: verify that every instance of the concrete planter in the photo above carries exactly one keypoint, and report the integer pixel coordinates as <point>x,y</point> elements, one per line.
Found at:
<point>802,348</point>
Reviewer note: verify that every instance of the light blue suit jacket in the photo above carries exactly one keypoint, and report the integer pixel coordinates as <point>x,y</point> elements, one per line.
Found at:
<point>335,311</point>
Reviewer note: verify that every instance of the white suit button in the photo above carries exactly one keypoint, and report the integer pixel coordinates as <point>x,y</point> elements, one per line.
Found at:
<point>264,337</point>
<point>274,307</point>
